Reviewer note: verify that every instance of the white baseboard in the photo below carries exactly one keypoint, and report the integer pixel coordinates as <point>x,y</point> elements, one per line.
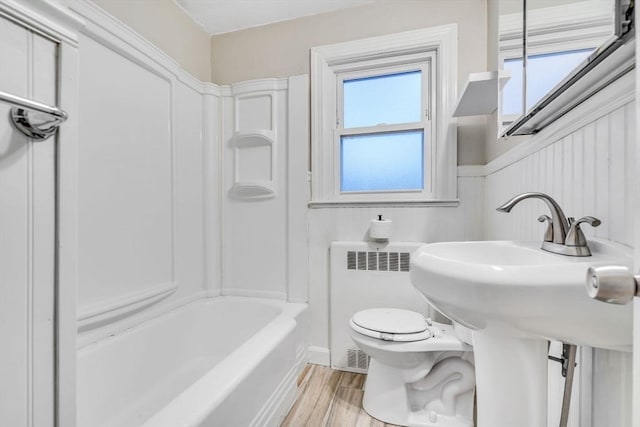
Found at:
<point>319,356</point>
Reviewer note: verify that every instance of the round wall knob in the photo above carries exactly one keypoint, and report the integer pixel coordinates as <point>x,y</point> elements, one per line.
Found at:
<point>612,284</point>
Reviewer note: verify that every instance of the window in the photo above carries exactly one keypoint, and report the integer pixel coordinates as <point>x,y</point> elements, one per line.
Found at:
<point>549,68</point>
<point>378,131</point>
<point>558,41</point>
<point>382,129</point>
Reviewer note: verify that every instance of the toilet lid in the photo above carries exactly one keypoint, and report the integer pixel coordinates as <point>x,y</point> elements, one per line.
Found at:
<point>390,320</point>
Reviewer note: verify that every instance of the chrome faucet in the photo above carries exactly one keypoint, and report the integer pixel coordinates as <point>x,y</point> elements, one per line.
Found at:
<point>563,236</point>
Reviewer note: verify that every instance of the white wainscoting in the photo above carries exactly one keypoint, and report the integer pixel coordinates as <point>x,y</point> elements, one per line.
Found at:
<point>585,171</point>
<point>586,162</point>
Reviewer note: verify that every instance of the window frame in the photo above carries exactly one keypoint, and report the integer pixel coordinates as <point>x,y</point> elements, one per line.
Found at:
<point>436,49</point>
<point>562,28</point>
<point>424,125</point>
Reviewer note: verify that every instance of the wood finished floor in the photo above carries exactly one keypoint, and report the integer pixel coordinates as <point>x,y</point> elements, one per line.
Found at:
<point>329,398</point>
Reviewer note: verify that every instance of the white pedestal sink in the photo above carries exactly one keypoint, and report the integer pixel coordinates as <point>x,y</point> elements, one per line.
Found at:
<point>515,297</point>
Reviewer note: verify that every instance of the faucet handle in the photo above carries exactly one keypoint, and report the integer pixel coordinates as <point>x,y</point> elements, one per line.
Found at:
<point>548,235</point>
<point>575,236</point>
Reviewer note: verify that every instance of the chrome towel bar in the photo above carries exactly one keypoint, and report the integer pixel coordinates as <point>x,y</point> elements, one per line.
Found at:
<point>36,120</point>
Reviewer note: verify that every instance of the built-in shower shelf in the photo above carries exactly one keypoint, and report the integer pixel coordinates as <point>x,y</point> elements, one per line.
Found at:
<point>254,164</point>
<point>254,189</point>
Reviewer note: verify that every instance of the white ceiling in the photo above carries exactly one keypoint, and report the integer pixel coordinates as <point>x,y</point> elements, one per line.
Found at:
<point>223,16</point>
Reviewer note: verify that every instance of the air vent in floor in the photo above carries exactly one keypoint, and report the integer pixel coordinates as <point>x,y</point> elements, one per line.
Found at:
<point>357,359</point>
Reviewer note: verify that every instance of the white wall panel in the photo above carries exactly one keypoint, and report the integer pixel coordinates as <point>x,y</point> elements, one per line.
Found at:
<point>148,180</point>
<point>125,177</point>
<point>255,230</point>
<point>211,179</point>
<point>146,136</point>
<point>189,191</point>
<point>298,188</point>
<point>586,172</point>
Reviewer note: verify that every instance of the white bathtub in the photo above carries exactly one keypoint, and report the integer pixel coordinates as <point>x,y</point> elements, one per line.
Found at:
<point>225,361</point>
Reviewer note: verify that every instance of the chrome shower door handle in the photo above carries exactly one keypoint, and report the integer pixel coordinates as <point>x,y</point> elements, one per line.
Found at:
<point>613,284</point>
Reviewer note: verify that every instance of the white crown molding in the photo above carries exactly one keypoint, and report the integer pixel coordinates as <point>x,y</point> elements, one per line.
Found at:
<point>211,89</point>
<point>614,96</point>
<point>45,17</point>
<point>190,80</point>
<point>259,85</point>
<point>111,32</point>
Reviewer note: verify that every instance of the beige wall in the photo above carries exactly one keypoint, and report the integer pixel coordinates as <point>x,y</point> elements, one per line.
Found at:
<point>167,26</point>
<point>282,49</point>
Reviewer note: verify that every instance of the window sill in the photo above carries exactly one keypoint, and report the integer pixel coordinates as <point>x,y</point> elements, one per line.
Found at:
<point>315,204</point>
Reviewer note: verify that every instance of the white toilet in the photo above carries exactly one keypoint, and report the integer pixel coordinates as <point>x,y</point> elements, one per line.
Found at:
<point>420,373</point>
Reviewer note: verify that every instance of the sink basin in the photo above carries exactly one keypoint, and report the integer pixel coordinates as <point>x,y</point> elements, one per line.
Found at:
<point>519,289</point>
<point>515,296</point>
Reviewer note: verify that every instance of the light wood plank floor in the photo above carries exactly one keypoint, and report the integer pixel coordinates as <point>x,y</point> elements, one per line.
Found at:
<point>329,398</point>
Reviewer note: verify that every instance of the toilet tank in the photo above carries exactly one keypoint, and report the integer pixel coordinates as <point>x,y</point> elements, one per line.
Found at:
<point>367,275</point>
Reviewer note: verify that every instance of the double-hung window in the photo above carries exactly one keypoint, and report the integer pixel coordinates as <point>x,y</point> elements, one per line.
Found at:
<point>384,131</point>
<point>380,132</point>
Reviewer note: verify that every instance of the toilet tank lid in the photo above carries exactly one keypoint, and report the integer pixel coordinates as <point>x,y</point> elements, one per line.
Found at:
<point>390,320</point>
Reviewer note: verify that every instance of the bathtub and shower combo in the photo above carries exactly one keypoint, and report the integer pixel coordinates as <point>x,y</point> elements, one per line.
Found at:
<point>223,361</point>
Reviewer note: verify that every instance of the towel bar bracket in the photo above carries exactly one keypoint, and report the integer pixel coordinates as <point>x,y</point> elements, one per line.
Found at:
<point>36,125</point>
<point>36,120</point>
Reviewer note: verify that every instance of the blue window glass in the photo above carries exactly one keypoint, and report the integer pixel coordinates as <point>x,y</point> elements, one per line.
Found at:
<point>549,69</point>
<point>382,162</point>
<point>388,99</point>
<point>512,91</point>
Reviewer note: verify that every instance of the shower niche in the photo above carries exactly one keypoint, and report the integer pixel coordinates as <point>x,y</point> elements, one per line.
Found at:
<point>254,164</point>
<point>254,146</point>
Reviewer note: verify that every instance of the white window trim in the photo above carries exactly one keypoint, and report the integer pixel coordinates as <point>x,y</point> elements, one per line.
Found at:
<point>328,61</point>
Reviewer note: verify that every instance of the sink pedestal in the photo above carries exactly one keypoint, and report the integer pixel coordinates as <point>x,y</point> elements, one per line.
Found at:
<point>515,296</point>
<point>511,380</point>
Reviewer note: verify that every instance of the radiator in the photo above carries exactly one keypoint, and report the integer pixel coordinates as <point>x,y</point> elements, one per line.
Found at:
<point>367,275</point>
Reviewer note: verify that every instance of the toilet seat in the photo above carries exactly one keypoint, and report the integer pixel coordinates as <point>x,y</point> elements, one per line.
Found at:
<point>391,324</point>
